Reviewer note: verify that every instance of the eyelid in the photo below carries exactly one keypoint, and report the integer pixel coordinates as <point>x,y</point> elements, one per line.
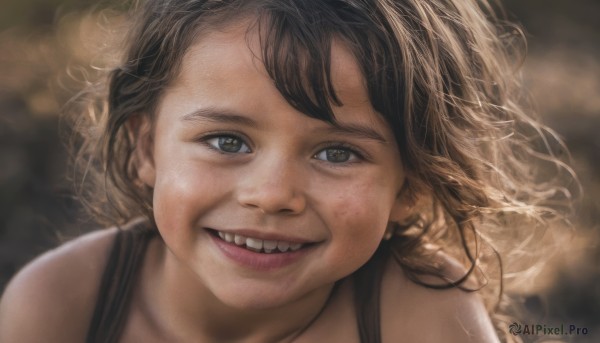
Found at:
<point>360,153</point>
<point>214,134</point>
<point>205,137</point>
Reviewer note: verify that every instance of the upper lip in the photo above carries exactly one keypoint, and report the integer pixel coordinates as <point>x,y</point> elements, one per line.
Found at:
<point>267,236</point>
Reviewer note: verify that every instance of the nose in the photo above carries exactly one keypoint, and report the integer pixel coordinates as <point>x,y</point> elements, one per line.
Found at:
<point>273,186</point>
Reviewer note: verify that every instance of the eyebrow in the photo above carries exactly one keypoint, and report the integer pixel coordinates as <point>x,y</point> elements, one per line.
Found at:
<point>356,130</point>
<point>227,116</point>
<point>219,116</point>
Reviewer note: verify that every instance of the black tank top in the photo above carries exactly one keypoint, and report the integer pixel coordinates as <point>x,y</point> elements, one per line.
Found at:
<point>118,282</point>
<point>123,268</point>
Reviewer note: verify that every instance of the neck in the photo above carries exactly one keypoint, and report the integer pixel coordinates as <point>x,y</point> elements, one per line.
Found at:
<point>187,309</point>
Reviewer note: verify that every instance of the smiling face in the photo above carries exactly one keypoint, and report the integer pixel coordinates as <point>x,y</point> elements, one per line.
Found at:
<point>264,205</point>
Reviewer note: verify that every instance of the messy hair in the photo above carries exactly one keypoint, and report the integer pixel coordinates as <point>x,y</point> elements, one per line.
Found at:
<point>481,172</point>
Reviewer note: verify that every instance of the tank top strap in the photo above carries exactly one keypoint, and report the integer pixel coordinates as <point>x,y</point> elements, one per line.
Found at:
<point>367,291</point>
<point>118,281</point>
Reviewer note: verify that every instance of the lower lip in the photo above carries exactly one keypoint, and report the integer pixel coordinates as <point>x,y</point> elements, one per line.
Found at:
<point>259,261</point>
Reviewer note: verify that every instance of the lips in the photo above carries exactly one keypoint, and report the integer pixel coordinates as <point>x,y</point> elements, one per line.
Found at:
<point>260,251</point>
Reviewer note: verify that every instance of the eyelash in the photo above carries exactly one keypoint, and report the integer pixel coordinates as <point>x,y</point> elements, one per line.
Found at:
<point>206,138</point>
<point>358,153</point>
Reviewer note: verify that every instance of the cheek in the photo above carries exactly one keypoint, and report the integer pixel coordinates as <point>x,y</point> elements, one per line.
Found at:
<point>359,218</point>
<point>182,194</point>
<point>364,201</point>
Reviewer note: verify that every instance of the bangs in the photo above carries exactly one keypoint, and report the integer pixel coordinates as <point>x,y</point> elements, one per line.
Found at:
<point>296,41</point>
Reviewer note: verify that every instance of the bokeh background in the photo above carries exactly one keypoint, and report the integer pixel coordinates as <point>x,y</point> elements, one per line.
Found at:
<point>44,42</point>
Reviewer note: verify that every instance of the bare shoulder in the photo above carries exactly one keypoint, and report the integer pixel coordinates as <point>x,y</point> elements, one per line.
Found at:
<point>53,296</point>
<point>416,313</point>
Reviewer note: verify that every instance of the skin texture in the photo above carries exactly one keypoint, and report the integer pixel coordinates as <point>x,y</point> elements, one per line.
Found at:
<point>280,181</point>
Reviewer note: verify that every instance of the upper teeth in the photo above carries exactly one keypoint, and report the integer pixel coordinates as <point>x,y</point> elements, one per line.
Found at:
<point>256,244</point>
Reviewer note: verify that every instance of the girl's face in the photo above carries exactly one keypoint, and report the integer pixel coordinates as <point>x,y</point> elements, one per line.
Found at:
<point>234,167</point>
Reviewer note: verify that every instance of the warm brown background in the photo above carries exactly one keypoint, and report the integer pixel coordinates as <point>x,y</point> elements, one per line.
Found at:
<point>40,39</point>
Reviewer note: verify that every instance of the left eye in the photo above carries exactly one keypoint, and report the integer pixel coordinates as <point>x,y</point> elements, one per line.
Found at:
<point>229,144</point>
<point>335,155</point>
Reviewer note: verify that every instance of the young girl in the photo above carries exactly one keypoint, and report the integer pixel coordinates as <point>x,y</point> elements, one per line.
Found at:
<point>295,171</point>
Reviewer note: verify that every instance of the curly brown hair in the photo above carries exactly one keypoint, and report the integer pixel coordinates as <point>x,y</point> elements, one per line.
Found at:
<point>482,174</point>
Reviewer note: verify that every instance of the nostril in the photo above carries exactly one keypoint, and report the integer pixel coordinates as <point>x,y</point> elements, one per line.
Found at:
<point>286,211</point>
<point>268,203</point>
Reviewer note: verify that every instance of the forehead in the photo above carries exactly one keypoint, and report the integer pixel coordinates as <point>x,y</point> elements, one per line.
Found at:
<point>223,70</point>
<point>219,55</point>
<point>223,73</point>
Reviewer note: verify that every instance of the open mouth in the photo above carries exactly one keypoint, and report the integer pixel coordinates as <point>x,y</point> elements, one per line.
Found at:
<point>259,245</point>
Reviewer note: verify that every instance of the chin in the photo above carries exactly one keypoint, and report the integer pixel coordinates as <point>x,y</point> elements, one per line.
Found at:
<point>254,301</point>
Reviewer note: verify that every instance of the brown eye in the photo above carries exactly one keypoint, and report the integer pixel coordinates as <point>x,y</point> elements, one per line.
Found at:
<point>335,155</point>
<point>229,144</point>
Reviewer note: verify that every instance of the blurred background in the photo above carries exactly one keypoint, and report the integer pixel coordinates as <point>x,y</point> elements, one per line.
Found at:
<point>42,43</point>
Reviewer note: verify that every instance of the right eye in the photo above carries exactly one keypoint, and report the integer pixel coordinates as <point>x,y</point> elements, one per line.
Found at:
<point>228,144</point>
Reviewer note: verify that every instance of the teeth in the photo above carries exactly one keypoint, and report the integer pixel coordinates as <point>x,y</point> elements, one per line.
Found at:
<point>240,240</point>
<point>283,246</point>
<point>254,243</point>
<point>259,245</point>
<point>270,245</point>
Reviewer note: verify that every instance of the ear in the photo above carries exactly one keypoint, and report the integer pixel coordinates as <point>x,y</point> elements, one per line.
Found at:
<point>140,133</point>
<point>411,200</point>
<point>403,206</point>
<point>407,205</point>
